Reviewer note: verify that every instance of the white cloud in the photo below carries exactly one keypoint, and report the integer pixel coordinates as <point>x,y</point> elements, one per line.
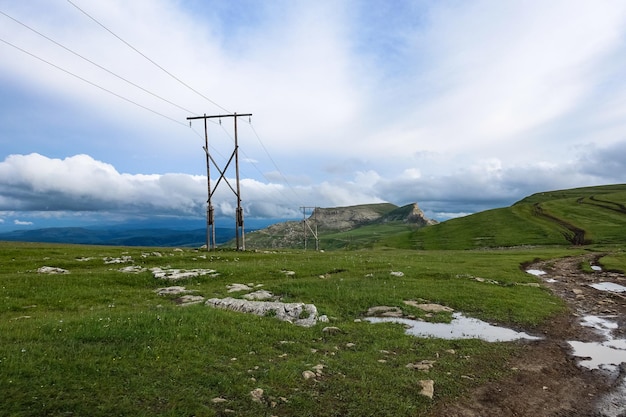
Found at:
<point>22,223</point>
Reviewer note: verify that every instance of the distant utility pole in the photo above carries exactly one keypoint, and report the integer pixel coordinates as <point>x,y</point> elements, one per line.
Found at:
<point>210,213</point>
<point>306,225</point>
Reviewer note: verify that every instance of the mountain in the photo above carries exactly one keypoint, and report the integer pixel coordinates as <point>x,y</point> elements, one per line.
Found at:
<point>328,223</point>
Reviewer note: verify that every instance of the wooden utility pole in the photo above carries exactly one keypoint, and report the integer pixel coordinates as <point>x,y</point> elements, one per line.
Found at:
<point>210,213</point>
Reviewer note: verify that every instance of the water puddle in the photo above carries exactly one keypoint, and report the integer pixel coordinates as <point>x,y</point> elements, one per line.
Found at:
<point>535,272</point>
<point>598,355</point>
<point>606,355</point>
<point>596,268</point>
<point>460,327</point>
<point>609,286</point>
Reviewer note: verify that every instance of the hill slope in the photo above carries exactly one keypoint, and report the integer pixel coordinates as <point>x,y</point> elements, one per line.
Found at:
<point>580,216</point>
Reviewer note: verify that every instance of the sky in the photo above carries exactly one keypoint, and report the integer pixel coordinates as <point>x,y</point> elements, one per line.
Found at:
<point>459,106</point>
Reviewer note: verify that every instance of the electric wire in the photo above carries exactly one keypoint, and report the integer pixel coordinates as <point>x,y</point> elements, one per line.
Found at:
<point>95,64</point>
<point>146,57</point>
<point>92,83</point>
<point>272,160</point>
<point>148,92</point>
<point>188,86</point>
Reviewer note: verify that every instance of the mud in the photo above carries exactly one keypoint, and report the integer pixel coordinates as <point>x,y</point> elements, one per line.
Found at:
<point>546,379</point>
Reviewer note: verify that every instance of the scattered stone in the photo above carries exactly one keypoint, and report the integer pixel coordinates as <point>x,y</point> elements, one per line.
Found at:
<point>178,274</point>
<point>257,395</point>
<point>288,273</point>
<point>308,374</point>
<point>331,330</point>
<point>429,307</point>
<point>384,311</point>
<point>259,295</point>
<point>421,366</point>
<point>121,260</point>
<point>187,300</point>
<point>175,290</point>
<point>396,273</point>
<point>218,400</point>
<point>52,270</point>
<point>428,388</point>
<point>132,269</point>
<point>318,369</point>
<point>238,287</point>
<point>323,318</point>
<point>21,318</point>
<point>299,314</point>
<point>177,250</point>
<point>350,345</point>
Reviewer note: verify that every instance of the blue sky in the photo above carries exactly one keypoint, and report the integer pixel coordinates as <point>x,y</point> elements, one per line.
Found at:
<point>460,106</point>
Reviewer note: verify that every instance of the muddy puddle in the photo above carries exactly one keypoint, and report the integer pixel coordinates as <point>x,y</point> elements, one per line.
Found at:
<point>607,354</point>
<point>608,286</point>
<point>460,327</point>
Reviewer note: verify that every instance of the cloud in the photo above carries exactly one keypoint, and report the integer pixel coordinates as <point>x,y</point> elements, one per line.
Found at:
<point>82,184</point>
<point>22,223</point>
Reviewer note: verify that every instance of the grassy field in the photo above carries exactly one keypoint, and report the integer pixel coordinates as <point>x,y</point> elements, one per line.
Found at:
<point>97,341</point>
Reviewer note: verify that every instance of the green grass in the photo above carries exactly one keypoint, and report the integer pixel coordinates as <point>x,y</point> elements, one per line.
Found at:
<point>598,211</point>
<point>101,342</point>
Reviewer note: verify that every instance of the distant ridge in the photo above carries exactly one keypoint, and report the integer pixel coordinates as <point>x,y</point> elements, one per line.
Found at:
<point>332,220</point>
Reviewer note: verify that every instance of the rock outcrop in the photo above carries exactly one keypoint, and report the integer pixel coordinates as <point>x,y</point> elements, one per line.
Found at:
<point>299,314</point>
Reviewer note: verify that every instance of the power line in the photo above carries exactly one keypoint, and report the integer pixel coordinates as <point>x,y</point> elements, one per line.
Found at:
<point>190,88</point>
<point>141,88</point>
<point>146,57</point>
<point>273,162</point>
<point>95,64</point>
<point>92,83</point>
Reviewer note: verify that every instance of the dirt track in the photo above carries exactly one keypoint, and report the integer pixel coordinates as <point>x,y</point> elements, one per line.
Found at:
<point>546,378</point>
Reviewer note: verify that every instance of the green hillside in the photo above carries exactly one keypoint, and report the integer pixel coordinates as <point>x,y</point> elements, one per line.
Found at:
<point>580,216</point>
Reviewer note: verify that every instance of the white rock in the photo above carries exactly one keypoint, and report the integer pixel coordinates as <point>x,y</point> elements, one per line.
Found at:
<point>428,388</point>
<point>175,290</point>
<point>297,313</point>
<point>238,287</point>
<point>121,260</point>
<point>178,274</point>
<point>259,295</point>
<point>257,395</point>
<point>52,270</point>
<point>132,269</point>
